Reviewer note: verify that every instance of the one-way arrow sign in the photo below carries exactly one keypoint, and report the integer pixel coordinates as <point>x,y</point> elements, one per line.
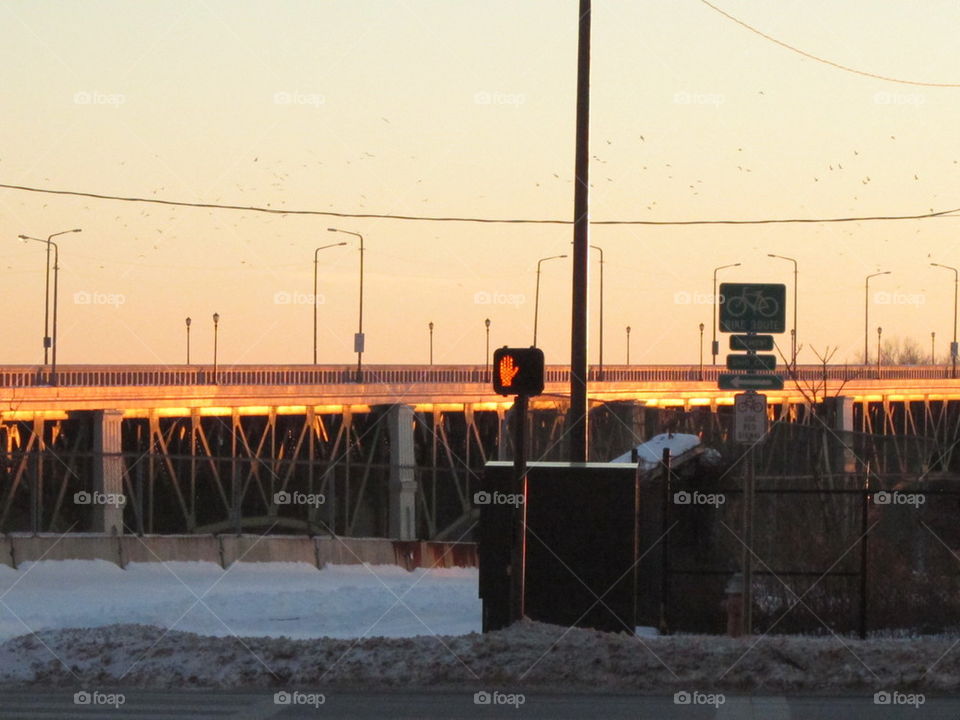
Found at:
<point>732,381</point>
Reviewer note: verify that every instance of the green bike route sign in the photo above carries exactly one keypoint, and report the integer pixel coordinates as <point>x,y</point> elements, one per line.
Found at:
<point>753,307</point>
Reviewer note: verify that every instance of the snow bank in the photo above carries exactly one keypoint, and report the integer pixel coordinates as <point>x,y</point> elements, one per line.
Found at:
<point>528,655</point>
<point>274,599</point>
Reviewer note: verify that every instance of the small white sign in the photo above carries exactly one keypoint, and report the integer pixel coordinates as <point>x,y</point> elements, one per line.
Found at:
<point>750,417</point>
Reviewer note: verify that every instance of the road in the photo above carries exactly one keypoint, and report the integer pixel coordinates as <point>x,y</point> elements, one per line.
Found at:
<point>451,705</point>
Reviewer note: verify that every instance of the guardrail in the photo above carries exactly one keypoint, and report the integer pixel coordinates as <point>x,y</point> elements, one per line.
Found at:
<point>275,375</point>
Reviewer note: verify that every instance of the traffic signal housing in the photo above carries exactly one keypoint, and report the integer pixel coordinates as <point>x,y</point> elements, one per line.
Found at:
<point>518,371</point>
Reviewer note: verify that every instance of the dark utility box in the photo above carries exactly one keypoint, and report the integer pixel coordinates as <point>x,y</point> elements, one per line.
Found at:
<point>581,544</point>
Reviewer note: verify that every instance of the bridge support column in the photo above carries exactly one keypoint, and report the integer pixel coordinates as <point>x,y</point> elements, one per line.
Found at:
<point>843,424</point>
<point>403,485</point>
<point>107,470</point>
<point>503,452</point>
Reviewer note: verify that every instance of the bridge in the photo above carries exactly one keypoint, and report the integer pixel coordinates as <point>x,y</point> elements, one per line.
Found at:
<point>308,448</point>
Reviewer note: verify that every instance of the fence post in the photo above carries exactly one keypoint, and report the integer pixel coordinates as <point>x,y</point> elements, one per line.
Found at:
<point>665,546</point>
<point>863,555</point>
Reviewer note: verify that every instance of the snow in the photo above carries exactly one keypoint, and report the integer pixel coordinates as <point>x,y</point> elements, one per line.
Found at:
<point>650,453</point>
<point>528,654</point>
<point>97,625</point>
<point>274,599</point>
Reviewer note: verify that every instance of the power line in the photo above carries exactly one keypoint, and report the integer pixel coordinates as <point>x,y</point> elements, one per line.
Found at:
<point>811,56</point>
<point>463,219</point>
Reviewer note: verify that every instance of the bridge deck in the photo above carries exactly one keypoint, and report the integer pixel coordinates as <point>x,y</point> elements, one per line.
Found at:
<point>174,390</point>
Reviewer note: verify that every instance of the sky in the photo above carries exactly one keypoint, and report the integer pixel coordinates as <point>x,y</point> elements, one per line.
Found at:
<point>451,108</point>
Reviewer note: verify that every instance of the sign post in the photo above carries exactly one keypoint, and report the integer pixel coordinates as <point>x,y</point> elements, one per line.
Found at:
<point>751,308</point>
<point>518,372</point>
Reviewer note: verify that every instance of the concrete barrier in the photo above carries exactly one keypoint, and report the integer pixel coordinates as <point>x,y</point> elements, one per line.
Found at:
<point>272,548</point>
<point>49,546</point>
<point>170,548</point>
<point>16,549</point>
<point>6,551</point>
<point>355,551</point>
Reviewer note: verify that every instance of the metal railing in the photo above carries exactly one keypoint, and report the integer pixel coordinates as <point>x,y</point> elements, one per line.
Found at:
<point>22,376</point>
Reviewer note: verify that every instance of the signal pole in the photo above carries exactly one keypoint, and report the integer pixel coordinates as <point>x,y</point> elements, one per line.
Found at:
<point>579,430</point>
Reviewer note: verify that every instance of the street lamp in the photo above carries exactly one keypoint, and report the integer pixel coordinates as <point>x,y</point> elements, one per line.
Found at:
<point>536,300</point>
<point>315,253</point>
<point>358,338</point>
<point>216,325</point>
<point>879,334</point>
<point>600,250</point>
<point>701,352</point>
<point>793,333</point>
<point>187,322</point>
<point>47,342</point>
<point>715,346</point>
<point>486,361</point>
<point>933,353</point>
<point>866,314</point>
<point>953,345</point>
<point>430,325</point>
<point>628,344</point>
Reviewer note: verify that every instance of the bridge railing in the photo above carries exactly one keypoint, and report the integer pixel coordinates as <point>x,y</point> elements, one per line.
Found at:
<point>297,375</point>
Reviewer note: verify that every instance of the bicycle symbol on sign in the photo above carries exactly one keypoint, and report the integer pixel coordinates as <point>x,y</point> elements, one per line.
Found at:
<point>753,402</point>
<point>752,300</point>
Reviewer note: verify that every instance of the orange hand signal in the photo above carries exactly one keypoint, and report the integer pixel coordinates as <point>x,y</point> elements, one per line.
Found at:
<point>508,371</point>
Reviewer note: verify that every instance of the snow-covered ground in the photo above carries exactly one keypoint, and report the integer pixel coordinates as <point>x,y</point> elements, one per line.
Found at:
<point>275,599</point>
<point>529,655</point>
<point>91,624</point>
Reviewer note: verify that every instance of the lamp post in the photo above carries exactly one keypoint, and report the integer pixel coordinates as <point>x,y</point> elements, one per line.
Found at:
<point>953,345</point>
<point>879,334</point>
<point>47,342</point>
<point>315,253</point>
<point>430,325</point>
<point>701,352</point>
<point>793,333</point>
<point>216,325</point>
<point>358,338</point>
<point>600,250</point>
<point>536,298</point>
<point>715,346</point>
<point>933,354</point>
<point>486,361</point>
<point>866,314</point>
<point>187,323</point>
<point>628,344</point>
